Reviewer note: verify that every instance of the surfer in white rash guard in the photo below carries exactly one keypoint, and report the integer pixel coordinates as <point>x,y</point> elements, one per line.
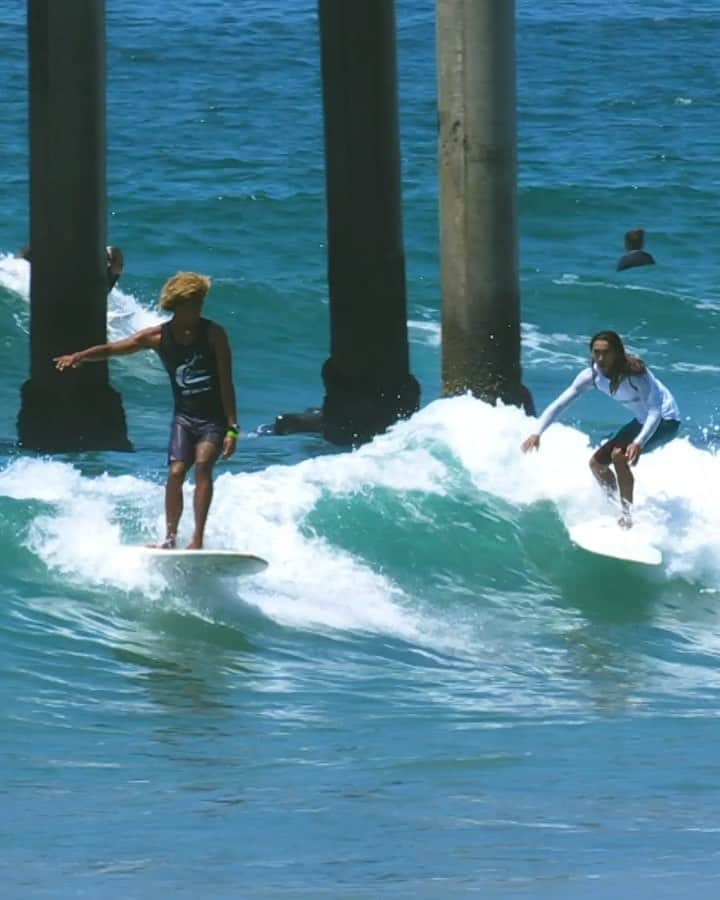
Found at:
<point>628,380</point>
<point>197,357</point>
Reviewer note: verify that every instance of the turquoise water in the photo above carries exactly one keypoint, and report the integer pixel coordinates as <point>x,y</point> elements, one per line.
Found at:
<point>430,691</point>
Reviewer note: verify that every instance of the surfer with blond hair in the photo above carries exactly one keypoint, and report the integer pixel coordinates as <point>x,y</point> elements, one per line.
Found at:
<point>197,357</point>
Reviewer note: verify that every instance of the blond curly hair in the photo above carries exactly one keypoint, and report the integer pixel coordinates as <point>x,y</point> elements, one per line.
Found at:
<point>183,286</point>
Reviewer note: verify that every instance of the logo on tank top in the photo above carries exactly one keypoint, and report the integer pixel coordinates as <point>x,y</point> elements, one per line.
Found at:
<point>192,377</point>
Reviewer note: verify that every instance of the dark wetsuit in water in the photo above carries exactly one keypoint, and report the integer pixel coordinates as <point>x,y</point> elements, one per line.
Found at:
<point>635,258</point>
<point>199,414</point>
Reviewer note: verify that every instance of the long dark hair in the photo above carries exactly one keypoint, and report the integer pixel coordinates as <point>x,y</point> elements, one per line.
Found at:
<point>625,363</point>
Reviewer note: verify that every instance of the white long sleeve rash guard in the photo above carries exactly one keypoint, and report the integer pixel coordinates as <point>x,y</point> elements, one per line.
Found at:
<point>645,396</point>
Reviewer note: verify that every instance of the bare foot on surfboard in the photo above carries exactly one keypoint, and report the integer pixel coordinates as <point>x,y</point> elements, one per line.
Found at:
<point>625,521</point>
<point>167,544</point>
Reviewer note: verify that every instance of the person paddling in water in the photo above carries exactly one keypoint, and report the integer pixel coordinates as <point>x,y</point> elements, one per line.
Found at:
<point>198,360</point>
<point>628,380</point>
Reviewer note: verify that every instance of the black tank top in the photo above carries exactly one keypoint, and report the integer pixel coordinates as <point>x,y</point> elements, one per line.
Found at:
<point>193,373</point>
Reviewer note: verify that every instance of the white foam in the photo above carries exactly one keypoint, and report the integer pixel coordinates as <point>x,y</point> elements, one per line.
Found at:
<point>15,275</point>
<point>125,313</point>
<point>425,332</point>
<point>310,582</point>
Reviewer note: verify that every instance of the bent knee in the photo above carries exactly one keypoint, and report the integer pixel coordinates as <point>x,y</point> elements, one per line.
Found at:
<point>177,470</point>
<point>618,456</point>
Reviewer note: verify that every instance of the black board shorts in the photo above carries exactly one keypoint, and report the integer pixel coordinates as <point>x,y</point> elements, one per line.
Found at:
<point>186,432</point>
<point>666,431</point>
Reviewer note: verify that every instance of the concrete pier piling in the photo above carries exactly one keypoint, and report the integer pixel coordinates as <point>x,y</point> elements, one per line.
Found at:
<point>68,285</point>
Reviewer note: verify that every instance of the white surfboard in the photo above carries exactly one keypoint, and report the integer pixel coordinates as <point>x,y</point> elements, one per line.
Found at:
<point>605,537</point>
<point>218,563</point>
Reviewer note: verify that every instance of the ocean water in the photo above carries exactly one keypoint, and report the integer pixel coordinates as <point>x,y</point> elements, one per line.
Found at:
<point>430,692</point>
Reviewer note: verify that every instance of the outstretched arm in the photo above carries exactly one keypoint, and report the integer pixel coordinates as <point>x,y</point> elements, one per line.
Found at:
<point>147,339</point>
<point>582,383</point>
<point>223,356</point>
